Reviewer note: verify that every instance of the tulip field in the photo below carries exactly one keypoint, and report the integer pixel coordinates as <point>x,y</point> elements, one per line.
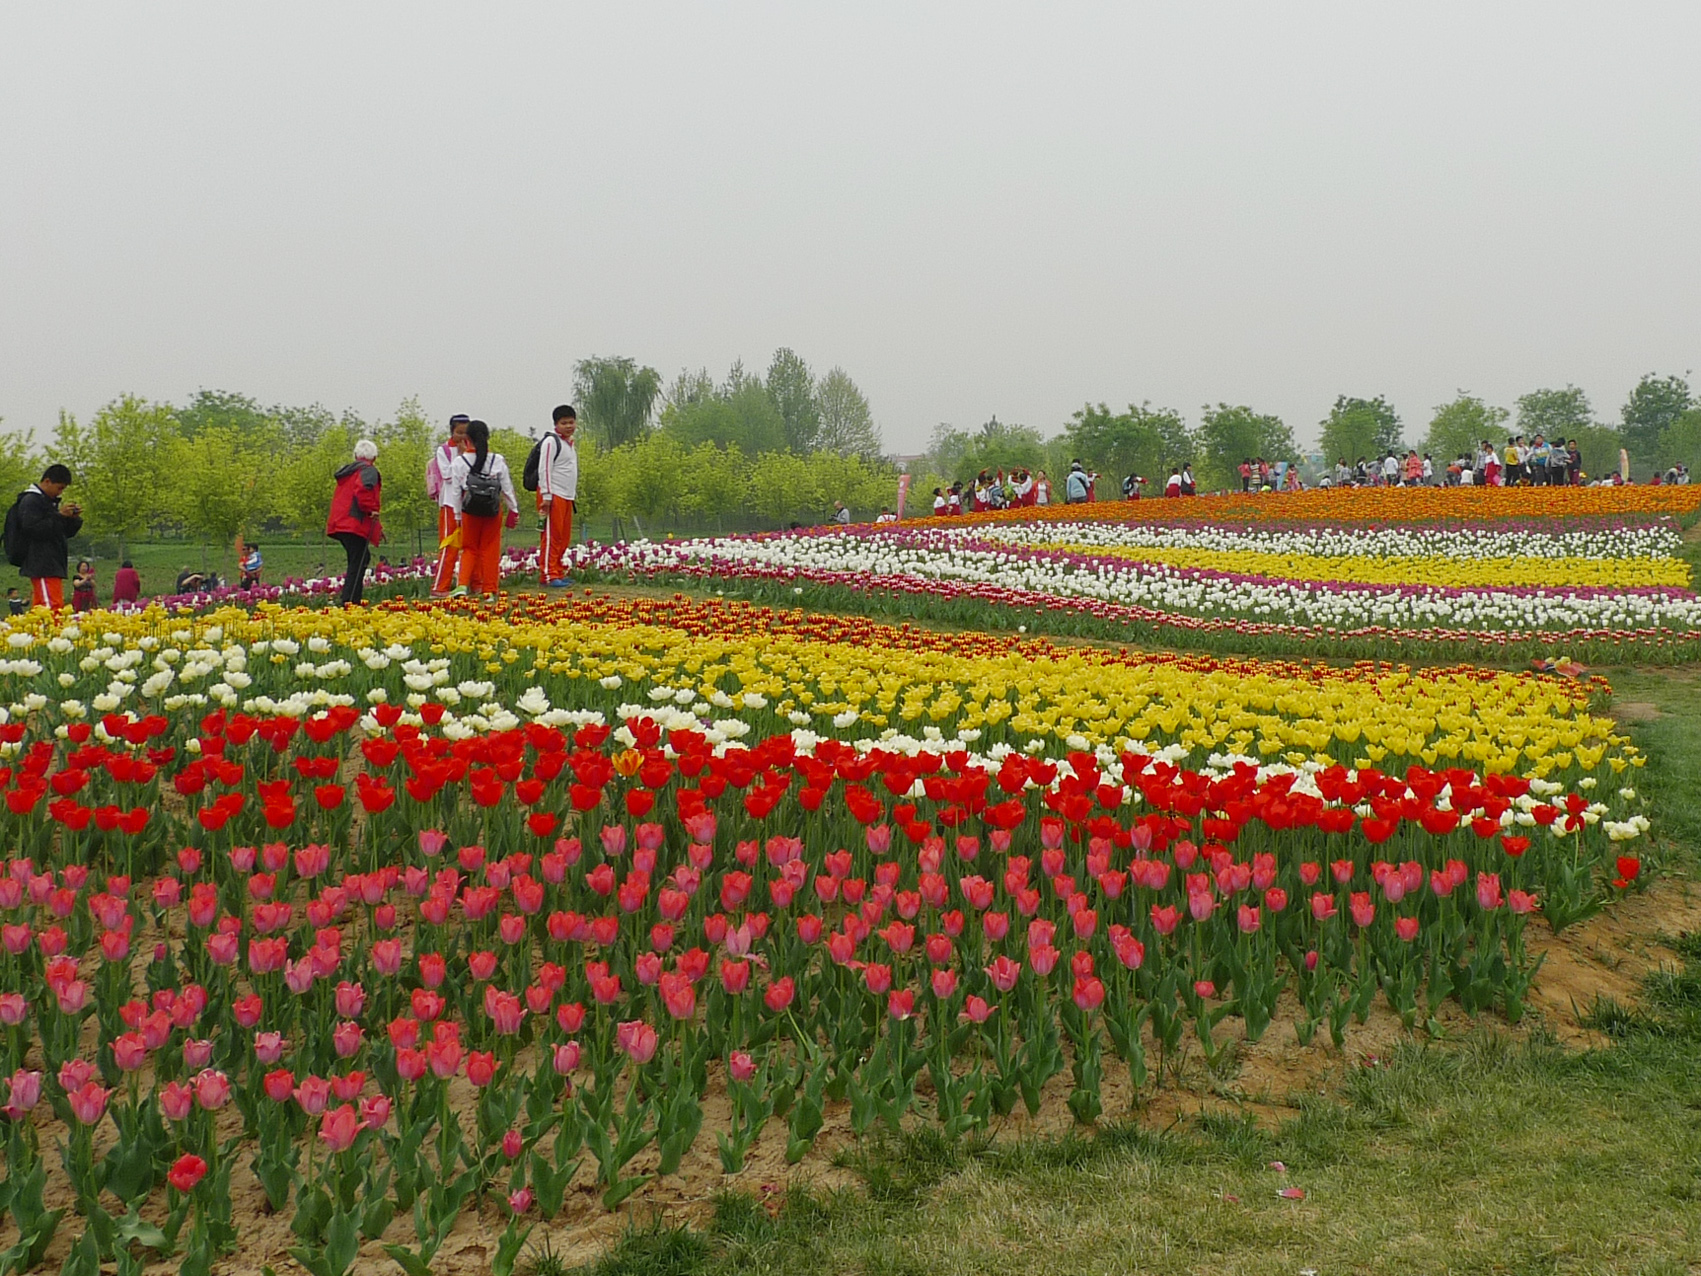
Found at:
<point>1425,573</point>
<point>427,908</point>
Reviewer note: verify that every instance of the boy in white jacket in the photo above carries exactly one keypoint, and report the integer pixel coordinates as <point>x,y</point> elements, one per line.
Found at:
<point>440,486</point>
<point>557,489</point>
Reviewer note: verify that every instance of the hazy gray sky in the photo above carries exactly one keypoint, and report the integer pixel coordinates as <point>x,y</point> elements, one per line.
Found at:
<point>974,209</point>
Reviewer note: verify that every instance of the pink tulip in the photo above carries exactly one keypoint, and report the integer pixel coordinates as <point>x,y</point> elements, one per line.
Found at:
<point>197,1054</point>
<point>567,1058</point>
<point>346,1038</point>
<point>741,1066</point>
<point>375,1112</point>
<point>212,1089</point>
<point>339,1127</point>
<point>88,1102</point>
<point>1004,972</point>
<point>25,1092</point>
<point>432,842</point>
<point>129,1051</point>
<point>977,1009</point>
<point>313,1093</point>
<point>176,1100</point>
<point>637,1040</point>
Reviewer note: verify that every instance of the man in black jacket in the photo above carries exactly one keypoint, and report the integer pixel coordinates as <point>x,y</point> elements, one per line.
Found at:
<point>45,527</point>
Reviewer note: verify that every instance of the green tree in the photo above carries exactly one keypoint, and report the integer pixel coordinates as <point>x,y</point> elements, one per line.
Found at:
<point>302,485</point>
<point>226,408</point>
<point>404,451</point>
<point>1554,414</point>
<point>1228,435</point>
<point>1359,427</point>
<point>1143,440</point>
<point>783,489</point>
<point>1458,427</point>
<point>847,426</point>
<point>219,483</point>
<point>962,454</point>
<point>712,420</point>
<point>648,479</point>
<point>713,482</point>
<point>791,385</point>
<point>1681,441</point>
<point>123,464</point>
<point>616,398</point>
<point>1654,406</point>
<point>19,465</point>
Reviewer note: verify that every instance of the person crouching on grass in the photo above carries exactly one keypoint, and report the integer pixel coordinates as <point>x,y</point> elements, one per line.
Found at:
<point>486,486</point>
<point>557,487</point>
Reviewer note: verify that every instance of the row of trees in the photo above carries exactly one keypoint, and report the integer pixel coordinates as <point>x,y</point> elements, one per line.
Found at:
<point>790,410</point>
<point>747,451</point>
<point>1660,425</point>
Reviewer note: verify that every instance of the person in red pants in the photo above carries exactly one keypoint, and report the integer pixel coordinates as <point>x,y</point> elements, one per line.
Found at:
<point>37,529</point>
<point>440,486</point>
<point>486,486</point>
<point>557,488</point>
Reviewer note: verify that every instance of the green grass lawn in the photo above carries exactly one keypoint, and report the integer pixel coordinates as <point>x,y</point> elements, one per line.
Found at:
<point>1478,1154</point>
<point>159,562</point>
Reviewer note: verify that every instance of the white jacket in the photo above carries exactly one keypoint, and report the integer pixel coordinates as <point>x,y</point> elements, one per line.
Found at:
<point>440,477</point>
<point>497,465</point>
<point>558,468</point>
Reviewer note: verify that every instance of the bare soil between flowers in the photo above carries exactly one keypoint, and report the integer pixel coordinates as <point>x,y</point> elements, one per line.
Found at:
<point>1608,956</point>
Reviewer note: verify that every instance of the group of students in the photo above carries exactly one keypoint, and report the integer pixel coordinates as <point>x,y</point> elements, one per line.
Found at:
<point>1536,463</point>
<point>473,487</point>
<point>1017,489</point>
<point>476,502</point>
<point>994,490</point>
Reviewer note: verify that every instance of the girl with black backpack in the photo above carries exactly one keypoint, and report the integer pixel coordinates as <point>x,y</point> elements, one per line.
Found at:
<point>486,486</point>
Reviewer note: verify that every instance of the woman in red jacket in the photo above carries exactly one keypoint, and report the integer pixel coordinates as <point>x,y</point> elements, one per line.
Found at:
<point>354,515</point>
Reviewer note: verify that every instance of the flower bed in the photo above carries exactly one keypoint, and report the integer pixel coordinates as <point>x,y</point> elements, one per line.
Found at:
<point>446,901</point>
<point>1600,581</point>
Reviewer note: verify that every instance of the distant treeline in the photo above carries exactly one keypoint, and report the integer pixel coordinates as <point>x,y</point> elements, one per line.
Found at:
<point>744,452</point>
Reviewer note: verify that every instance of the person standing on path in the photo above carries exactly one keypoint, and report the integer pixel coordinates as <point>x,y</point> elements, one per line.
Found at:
<point>353,520</point>
<point>485,485</point>
<point>557,489</point>
<point>439,485</point>
<point>42,528</point>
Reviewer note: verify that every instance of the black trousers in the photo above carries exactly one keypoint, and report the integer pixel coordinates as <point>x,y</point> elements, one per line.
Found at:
<point>359,551</point>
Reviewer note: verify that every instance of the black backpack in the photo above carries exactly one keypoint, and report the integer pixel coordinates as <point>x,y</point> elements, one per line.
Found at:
<point>17,545</point>
<point>528,476</point>
<point>481,495</point>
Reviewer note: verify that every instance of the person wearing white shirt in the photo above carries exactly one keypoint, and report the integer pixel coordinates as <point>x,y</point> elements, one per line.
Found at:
<point>440,486</point>
<point>486,486</point>
<point>557,489</point>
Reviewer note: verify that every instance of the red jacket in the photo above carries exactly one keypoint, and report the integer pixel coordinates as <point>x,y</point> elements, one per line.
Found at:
<point>354,505</point>
<point>126,585</point>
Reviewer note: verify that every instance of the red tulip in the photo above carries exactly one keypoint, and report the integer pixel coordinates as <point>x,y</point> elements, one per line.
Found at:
<point>481,1068</point>
<point>186,1171</point>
